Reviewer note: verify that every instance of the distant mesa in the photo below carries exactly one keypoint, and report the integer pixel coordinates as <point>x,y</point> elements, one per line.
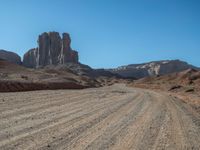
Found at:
<point>10,57</point>
<point>154,68</point>
<point>52,50</point>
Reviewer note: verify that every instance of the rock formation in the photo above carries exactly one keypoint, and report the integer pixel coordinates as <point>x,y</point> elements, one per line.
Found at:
<point>51,50</point>
<point>10,56</point>
<point>155,68</point>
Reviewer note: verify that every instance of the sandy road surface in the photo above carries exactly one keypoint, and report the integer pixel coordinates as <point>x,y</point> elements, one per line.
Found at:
<point>115,117</point>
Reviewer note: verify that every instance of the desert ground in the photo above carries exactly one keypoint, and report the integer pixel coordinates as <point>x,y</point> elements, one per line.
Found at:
<point>111,117</point>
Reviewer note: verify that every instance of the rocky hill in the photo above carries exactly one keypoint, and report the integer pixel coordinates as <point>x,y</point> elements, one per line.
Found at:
<point>187,79</point>
<point>10,57</point>
<point>15,77</point>
<point>155,68</point>
<point>83,70</point>
<point>51,50</point>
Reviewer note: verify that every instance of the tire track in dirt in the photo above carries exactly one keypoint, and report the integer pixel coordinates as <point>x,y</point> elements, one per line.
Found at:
<point>106,121</point>
<point>35,106</point>
<point>188,124</point>
<point>67,137</point>
<point>55,119</point>
<point>145,123</point>
<point>85,140</point>
<point>75,101</point>
<point>115,117</point>
<point>111,134</point>
<point>111,103</point>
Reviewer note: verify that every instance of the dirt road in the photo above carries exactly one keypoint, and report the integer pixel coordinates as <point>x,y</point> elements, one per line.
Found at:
<point>115,117</point>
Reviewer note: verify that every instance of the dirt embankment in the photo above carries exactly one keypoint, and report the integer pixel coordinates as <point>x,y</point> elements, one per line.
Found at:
<point>14,86</point>
<point>14,78</point>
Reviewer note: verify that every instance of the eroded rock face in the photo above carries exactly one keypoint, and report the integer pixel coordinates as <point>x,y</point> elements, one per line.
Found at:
<point>155,68</point>
<point>10,56</point>
<point>67,54</point>
<point>30,58</point>
<point>52,50</point>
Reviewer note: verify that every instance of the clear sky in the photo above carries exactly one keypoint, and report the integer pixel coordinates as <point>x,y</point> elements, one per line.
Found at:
<point>107,33</point>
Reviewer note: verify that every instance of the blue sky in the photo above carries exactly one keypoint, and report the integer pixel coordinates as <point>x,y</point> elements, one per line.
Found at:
<point>107,33</point>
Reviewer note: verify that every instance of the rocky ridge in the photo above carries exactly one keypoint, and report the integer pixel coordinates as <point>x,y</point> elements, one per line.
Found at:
<point>155,68</point>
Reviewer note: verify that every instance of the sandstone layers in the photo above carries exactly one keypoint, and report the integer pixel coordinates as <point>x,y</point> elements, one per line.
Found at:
<point>52,50</point>
<point>155,68</point>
